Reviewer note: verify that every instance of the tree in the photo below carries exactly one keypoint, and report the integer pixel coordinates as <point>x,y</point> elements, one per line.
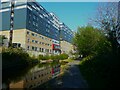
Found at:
<point>107,20</point>
<point>90,40</point>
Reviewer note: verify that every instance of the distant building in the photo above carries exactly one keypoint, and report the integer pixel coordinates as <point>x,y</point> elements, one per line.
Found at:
<point>34,28</point>
<point>66,36</point>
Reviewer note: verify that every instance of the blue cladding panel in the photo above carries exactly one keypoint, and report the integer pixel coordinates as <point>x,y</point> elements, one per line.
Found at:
<point>20,18</point>
<point>41,25</point>
<point>5,20</point>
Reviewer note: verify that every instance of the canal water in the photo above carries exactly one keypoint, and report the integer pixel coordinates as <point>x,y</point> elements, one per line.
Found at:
<point>31,77</point>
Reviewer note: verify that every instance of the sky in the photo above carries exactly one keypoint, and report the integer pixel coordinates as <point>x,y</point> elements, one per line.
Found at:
<point>73,14</point>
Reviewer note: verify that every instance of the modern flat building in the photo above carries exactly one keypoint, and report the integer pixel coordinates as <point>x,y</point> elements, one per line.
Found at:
<point>34,28</point>
<point>66,36</point>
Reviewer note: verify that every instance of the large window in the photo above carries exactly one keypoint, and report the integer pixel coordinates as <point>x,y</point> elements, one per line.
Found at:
<point>32,48</point>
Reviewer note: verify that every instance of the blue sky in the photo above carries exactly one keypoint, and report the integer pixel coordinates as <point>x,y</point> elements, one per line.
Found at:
<point>73,14</point>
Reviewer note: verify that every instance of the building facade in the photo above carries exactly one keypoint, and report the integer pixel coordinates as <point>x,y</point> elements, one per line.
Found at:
<point>34,28</point>
<point>66,36</point>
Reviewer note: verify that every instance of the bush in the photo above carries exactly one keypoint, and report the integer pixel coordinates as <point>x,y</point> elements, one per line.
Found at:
<point>53,57</point>
<point>15,64</point>
<point>101,71</point>
<point>64,62</point>
<point>63,56</point>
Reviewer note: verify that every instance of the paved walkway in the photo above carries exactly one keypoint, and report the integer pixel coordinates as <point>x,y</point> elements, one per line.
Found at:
<point>73,77</point>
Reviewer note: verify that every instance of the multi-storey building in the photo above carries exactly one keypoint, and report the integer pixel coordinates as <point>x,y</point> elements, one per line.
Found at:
<point>34,28</point>
<point>66,36</point>
<point>56,24</point>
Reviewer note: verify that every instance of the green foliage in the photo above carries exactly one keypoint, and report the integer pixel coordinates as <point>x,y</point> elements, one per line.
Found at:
<point>90,40</point>
<point>53,57</point>
<point>16,63</point>
<point>41,57</point>
<point>63,62</point>
<point>13,56</point>
<point>63,56</point>
<point>101,71</point>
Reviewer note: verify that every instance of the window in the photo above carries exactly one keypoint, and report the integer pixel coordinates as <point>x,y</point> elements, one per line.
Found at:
<point>50,50</point>
<point>32,40</point>
<point>28,47</point>
<point>36,25</point>
<point>33,23</point>
<point>28,40</point>
<point>32,48</point>
<point>34,17</point>
<point>36,41</point>
<point>35,48</point>
<point>40,42</point>
<point>29,21</point>
<point>42,37</point>
<point>33,34</point>
<point>42,49</point>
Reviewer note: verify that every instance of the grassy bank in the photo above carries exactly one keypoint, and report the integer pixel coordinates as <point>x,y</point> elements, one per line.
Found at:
<point>101,71</point>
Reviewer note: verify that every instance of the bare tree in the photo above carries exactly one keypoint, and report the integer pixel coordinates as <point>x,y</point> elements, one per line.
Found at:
<point>107,20</point>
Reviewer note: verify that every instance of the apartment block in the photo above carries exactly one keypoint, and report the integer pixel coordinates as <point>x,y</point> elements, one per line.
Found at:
<point>34,28</point>
<point>66,37</point>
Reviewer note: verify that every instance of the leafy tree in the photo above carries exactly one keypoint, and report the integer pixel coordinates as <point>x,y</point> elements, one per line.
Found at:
<point>90,40</point>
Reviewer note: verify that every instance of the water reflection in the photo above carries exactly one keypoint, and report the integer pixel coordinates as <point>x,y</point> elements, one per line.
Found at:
<point>38,75</point>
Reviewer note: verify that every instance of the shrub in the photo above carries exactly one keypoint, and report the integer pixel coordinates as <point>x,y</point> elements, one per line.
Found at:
<point>63,56</point>
<point>16,63</point>
<point>40,57</point>
<point>101,71</point>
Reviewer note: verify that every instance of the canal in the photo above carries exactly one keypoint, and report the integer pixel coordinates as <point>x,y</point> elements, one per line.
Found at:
<point>31,77</point>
